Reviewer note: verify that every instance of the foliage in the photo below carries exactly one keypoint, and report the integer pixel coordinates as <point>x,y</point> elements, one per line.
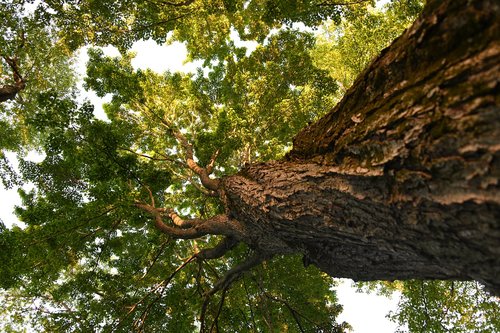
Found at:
<point>205,26</point>
<point>97,259</point>
<point>439,306</point>
<point>444,306</point>
<point>34,62</point>
<point>344,49</point>
<point>230,109</point>
<point>44,63</point>
<point>88,258</point>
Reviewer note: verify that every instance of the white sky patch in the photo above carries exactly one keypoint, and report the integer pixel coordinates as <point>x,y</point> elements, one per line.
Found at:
<point>81,69</point>
<point>366,313</point>
<point>249,45</point>
<point>9,198</point>
<point>381,3</point>
<point>149,55</point>
<point>160,58</point>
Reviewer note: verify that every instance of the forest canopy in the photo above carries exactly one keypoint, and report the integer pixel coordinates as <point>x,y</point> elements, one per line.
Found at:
<point>131,223</point>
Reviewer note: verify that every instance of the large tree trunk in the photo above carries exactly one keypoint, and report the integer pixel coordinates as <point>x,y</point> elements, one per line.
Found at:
<point>401,179</point>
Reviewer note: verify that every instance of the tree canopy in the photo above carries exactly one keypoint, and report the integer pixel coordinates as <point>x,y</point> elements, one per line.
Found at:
<point>91,254</point>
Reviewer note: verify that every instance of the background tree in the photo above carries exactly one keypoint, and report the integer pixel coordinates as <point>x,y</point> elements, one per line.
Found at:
<point>345,48</point>
<point>439,306</point>
<point>444,306</point>
<point>33,63</point>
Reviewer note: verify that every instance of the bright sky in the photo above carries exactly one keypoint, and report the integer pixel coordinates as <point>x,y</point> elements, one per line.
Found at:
<point>366,313</point>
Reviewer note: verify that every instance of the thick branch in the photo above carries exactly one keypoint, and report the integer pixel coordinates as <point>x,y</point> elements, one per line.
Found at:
<point>219,250</point>
<point>189,229</point>
<point>8,92</point>
<point>181,223</point>
<point>203,173</point>
<point>225,282</point>
<point>202,189</point>
<point>12,62</point>
<point>236,272</point>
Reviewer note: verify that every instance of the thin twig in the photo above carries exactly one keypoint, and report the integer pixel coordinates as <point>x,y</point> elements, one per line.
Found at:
<point>161,285</point>
<point>155,258</point>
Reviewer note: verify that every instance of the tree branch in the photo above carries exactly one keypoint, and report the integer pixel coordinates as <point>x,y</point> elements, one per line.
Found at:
<point>326,3</point>
<point>249,301</point>
<point>203,190</point>
<point>173,4</point>
<point>162,158</point>
<point>13,63</point>
<point>211,164</point>
<point>203,173</point>
<point>225,282</point>
<point>155,258</point>
<point>293,312</point>
<point>177,4</point>
<point>188,229</point>
<point>162,285</point>
<point>219,250</point>
<point>221,303</point>
<point>234,273</point>
<point>204,310</point>
<point>9,91</point>
<point>181,223</point>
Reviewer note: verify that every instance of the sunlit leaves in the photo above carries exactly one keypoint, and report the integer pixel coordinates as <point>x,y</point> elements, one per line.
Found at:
<point>205,26</point>
<point>43,62</point>
<point>346,48</point>
<point>447,306</point>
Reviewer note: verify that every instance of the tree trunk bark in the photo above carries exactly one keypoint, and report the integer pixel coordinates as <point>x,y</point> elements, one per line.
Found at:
<point>401,179</point>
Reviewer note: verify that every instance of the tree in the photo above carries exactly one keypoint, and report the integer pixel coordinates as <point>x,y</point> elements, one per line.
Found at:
<point>344,171</point>
<point>415,148</point>
<point>33,63</point>
<point>439,306</point>
<point>446,306</point>
<point>93,171</point>
<point>399,181</point>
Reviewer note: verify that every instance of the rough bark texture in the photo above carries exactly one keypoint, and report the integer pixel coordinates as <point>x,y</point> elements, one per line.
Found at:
<point>401,179</point>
